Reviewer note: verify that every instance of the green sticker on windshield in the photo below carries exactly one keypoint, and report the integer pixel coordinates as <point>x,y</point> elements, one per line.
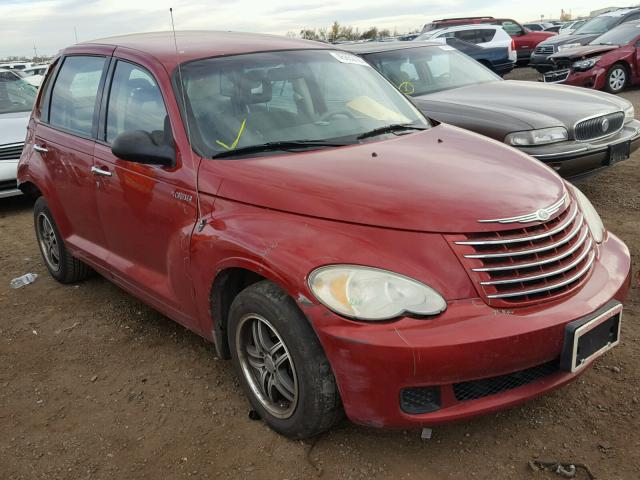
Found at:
<point>235,142</point>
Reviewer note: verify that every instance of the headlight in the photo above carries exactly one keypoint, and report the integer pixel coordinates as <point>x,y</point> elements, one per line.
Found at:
<point>537,137</point>
<point>368,293</point>
<point>585,64</point>
<point>629,113</point>
<point>591,215</point>
<point>567,46</point>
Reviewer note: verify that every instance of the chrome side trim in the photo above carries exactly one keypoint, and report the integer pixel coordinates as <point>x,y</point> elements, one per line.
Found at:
<point>547,288</point>
<point>549,233</point>
<point>541,275</point>
<point>517,253</point>
<point>530,217</point>
<point>572,250</point>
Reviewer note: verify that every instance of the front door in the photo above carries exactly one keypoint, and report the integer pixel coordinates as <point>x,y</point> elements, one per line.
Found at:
<point>148,212</point>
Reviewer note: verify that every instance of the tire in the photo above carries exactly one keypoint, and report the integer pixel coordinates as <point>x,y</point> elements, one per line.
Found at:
<point>292,388</point>
<point>616,79</point>
<point>62,266</point>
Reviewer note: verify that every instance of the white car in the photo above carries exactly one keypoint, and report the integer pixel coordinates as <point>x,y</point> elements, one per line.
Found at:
<point>480,34</point>
<point>571,27</point>
<point>16,101</point>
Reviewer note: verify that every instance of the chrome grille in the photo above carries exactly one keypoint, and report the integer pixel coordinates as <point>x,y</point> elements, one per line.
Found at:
<point>544,49</point>
<point>594,128</point>
<point>526,265</point>
<point>11,151</point>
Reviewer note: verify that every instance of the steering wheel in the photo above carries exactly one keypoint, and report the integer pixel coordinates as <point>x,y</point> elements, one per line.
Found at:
<point>326,116</point>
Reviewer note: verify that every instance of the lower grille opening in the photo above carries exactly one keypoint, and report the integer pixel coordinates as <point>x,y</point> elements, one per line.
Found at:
<point>8,185</point>
<point>416,400</point>
<point>490,386</point>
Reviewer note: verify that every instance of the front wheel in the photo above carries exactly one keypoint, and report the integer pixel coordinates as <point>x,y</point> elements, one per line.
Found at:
<point>616,79</point>
<point>282,366</point>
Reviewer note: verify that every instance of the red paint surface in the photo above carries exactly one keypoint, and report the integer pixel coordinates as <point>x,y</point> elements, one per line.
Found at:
<point>281,216</point>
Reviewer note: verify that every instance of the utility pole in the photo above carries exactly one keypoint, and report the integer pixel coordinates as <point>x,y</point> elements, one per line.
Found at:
<point>35,53</point>
<point>75,31</point>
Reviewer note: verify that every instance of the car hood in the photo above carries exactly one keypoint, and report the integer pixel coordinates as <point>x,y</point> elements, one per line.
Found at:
<point>441,180</point>
<point>520,105</point>
<point>584,52</point>
<point>541,35</point>
<point>13,127</point>
<point>558,40</point>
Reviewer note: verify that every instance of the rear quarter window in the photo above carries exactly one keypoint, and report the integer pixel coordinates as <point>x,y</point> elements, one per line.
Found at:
<point>73,98</point>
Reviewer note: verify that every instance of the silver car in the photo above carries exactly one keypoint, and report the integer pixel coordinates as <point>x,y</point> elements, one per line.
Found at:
<point>16,101</point>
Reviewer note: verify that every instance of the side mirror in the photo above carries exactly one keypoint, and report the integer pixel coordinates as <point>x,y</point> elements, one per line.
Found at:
<point>139,146</point>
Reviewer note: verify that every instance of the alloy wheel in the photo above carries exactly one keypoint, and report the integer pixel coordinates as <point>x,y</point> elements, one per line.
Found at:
<point>48,242</point>
<point>267,365</point>
<point>617,78</point>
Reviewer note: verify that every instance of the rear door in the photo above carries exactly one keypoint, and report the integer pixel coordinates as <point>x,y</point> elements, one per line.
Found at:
<point>64,139</point>
<point>148,211</point>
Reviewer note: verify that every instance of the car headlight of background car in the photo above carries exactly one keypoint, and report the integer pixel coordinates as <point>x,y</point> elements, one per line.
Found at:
<point>590,214</point>
<point>537,137</point>
<point>585,64</point>
<point>567,46</point>
<point>629,113</point>
<point>368,293</point>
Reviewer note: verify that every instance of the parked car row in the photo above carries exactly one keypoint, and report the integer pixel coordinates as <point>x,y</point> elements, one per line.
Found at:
<point>348,252</point>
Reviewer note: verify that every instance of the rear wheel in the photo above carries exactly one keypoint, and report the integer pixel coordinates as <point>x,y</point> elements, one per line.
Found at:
<point>616,79</point>
<point>282,366</point>
<point>62,266</point>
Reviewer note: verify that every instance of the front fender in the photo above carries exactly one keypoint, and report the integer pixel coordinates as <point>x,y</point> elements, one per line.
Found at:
<point>285,248</point>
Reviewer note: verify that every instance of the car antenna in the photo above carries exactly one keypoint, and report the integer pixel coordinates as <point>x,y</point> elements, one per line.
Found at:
<point>202,221</point>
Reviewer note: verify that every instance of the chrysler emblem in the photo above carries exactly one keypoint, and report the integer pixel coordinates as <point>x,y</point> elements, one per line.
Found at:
<point>605,125</point>
<point>542,214</point>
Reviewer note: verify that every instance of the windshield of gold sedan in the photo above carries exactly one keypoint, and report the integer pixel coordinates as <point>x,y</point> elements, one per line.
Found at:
<point>241,101</point>
<point>16,95</point>
<point>429,69</point>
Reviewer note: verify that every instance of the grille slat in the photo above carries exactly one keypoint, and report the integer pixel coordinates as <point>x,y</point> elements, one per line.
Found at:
<point>545,49</point>
<point>599,127</point>
<point>541,261</point>
<point>11,152</point>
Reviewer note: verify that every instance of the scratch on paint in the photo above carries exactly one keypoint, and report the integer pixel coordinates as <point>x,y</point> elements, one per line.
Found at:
<point>412,350</point>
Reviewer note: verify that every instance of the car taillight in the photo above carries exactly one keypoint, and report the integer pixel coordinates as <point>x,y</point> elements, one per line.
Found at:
<point>513,44</point>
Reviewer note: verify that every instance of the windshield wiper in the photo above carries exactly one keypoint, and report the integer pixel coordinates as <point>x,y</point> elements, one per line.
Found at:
<point>276,146</point>
<point>389,129</point>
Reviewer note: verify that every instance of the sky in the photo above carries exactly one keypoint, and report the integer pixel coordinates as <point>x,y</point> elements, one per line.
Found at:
<point>51,25</point>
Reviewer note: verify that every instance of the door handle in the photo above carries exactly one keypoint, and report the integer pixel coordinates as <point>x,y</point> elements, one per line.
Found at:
<point>99,171</point>
<point>39,148</point>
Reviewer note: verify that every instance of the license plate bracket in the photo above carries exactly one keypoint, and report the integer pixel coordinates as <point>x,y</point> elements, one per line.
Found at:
<point>619,152</point>
<point>589,337</point>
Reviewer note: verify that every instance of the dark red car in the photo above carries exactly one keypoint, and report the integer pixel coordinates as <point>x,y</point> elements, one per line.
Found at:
<point>283,200</point>
<point>525,40</point>
<point>610,62</point>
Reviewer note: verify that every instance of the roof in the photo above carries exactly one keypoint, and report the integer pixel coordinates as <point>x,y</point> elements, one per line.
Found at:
<point>377,47</point>
<point>196,44</point>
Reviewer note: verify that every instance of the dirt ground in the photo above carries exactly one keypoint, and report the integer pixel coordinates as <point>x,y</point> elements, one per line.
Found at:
<point>94,384</point>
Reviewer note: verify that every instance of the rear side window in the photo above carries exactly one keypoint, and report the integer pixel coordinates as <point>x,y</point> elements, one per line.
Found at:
<point>512,28</point>
<point>467,36</point>
<point>135,103</point>
<point>73,98</point>
<point>485,35</point>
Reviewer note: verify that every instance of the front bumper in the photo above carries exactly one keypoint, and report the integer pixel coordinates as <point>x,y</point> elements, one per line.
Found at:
<point>8,182</point>
<point>593,78</point>
<point>575,159</point>
<point>541,62</point>
<point>374,362</point>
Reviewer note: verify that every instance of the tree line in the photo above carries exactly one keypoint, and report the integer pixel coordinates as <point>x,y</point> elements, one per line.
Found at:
<point>343,32</point>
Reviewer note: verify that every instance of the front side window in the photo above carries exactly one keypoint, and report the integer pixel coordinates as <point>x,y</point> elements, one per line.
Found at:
<point>73,98</point>
<point>16,95</point>
<point>294,96</point>
<point>135,103</point>
<point>437,68</point>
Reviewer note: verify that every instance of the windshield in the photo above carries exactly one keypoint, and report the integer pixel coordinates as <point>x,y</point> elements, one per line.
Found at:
<point>16,95</point>
<point>597,25</point>
<point>429,69</point>
<point>255,99</point>
<point>620,35</point>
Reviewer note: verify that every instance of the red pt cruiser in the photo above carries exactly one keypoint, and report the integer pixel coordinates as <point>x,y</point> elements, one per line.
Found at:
<point>283,200</point>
